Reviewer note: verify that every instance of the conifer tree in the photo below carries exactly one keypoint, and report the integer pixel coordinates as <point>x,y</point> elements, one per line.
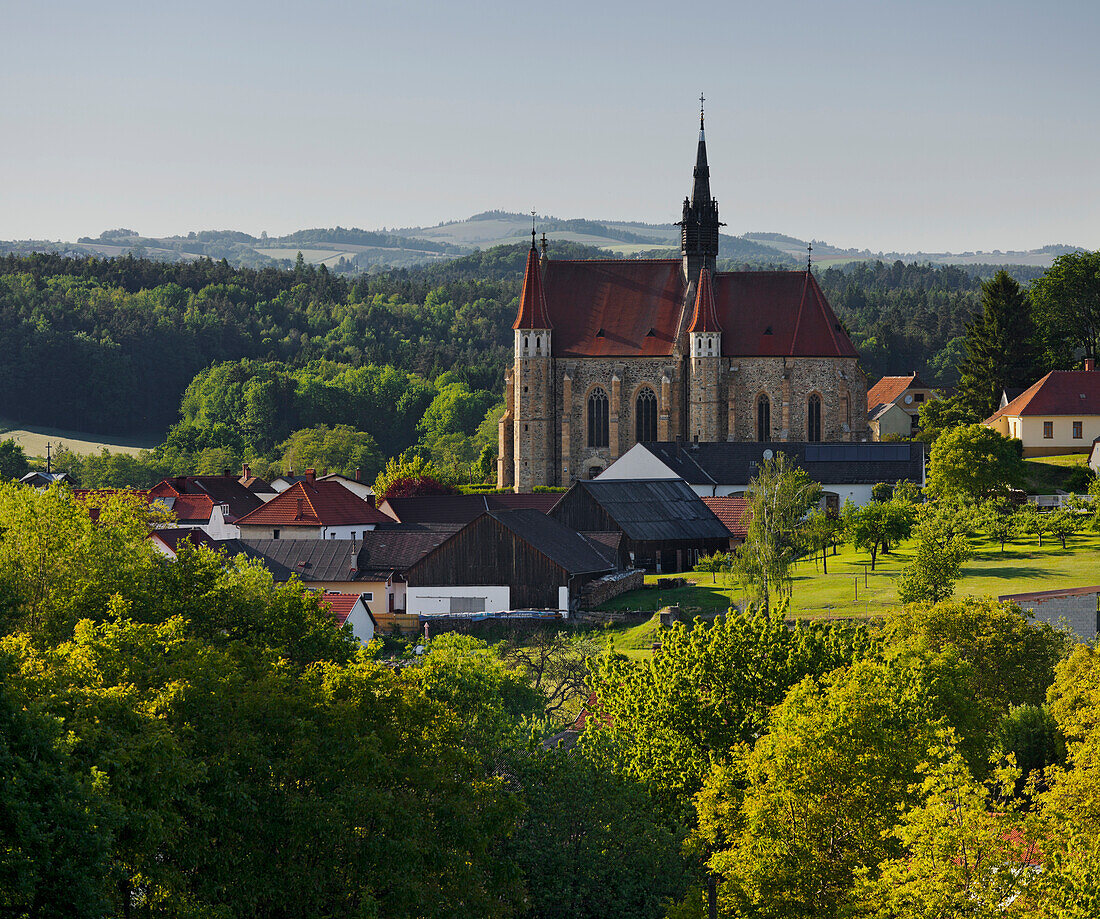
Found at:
<point>1000,347</point>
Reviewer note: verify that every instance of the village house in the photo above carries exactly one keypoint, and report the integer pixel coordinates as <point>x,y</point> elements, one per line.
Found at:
<point>355,485</point>
<point>845,471</point>
<point>893,406</point>
<point>1059,414</point>
<point>313,509</point>
<point>211,503</point>
<point>351,610</point>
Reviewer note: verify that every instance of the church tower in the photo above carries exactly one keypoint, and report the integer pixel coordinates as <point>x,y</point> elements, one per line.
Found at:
<point>705,342</point>
<point>699,226</point>
<point>532,383</point>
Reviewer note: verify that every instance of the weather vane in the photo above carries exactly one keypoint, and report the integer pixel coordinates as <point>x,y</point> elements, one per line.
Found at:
<point>702,99</point>
<point>809,255</point>
<point>532,229</point>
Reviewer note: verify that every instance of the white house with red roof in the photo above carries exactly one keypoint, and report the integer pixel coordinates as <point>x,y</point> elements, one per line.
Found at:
<point>312,509</point>
<point>1059,414</point>
<point>350,609</point>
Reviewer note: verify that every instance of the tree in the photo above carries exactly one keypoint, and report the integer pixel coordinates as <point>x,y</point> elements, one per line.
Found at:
<point>779,496</point>
<point>1064,523</point>
<point>974,463</point>
<point>819,531</point>
<point>1031,520</point>
<point>939,415</point>
<point>876,525</point>
<point>556,664</point>
<point>816,797</point>
<point>407,476</point>
<point>942,547</point>
<point>999,522</point>
<point>1000,347</point>
<point>337,449</point>
<point>713,564</point>
<point>13,461</point>
<point>1067,307</point>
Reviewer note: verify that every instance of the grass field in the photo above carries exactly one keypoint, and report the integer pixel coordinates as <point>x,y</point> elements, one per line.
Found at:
<point>851,589</point>
<point>33,440</point>
<point>1047,474</point>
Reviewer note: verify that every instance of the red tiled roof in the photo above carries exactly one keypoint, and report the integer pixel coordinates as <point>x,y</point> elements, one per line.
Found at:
<point>192,508</point>
<point>322,504</point>
<point>635,308</point>
<point>735,513</point>
<point>704,319</point>
<point>341,605</point>
<point>532,302</point>
<point>889,389</point>
<point>629,308</point>
<point>1060,392</point>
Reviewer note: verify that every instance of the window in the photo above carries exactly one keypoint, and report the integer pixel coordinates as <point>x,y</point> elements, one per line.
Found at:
<point>1077,433</point>
<point>368,596</point>
<point>763,419</point>
<point>597,418</point>
<point>645,416</point>
<point>918,397</point>
<point>353,534</point>
<point>1048,429</point>
<point>813,417</point>
<point>274,534</point>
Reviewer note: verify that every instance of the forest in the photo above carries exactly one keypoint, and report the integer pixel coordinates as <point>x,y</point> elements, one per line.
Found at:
<point>223,364</point>
<point>185,738</point>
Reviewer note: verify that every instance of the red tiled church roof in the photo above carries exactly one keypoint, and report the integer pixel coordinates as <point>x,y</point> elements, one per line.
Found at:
<point>1060,392</point>
<point>635,309</point>
<point>314,505</point>
<point>532,303</point>
<point>704,319</point>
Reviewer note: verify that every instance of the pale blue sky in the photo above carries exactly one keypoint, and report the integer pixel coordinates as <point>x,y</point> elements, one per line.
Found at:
<point>896,126</point>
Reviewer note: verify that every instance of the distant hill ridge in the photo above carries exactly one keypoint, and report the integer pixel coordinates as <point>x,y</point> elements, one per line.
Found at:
<point>353,250</point>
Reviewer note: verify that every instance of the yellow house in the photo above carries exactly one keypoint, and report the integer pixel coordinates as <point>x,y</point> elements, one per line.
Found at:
<point>1059,414</point>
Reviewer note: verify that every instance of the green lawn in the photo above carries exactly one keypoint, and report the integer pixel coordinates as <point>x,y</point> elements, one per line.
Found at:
<point>851,589</point>
<point>1047,474</point>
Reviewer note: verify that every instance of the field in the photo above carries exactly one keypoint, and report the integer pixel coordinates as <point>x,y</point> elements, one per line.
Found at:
<point>851,589</point>
<point>33,440</point>
<point>1047,474</point>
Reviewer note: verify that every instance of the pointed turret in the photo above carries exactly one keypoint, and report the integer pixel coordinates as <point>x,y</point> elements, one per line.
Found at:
<point>705,317</point>
<point>699,225</point>
<point>532,304</point>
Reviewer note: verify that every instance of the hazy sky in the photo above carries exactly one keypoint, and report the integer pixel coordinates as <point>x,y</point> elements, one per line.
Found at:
<point>897,126</point>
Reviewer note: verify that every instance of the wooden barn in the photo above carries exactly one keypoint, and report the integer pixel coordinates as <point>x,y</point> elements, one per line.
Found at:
<point>664,525</point>
<point>506,560</point>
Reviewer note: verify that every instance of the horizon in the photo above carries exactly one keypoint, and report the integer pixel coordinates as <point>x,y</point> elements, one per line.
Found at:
<point>863,124</point>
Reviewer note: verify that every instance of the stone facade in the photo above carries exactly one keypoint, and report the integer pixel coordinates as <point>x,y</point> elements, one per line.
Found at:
<point>544,432</point>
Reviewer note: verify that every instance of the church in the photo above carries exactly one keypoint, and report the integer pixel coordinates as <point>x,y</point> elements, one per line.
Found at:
<point>610,353</point>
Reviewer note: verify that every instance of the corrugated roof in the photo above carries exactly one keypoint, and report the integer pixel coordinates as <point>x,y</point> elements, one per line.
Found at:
<point>1060,392</point>
<point>391,549</point>
<point>315,504</point>
<point>310,559</point>
<point>563,546</point>
<point>736,462</point>
<point>655,510</point>
<point>461,509</point>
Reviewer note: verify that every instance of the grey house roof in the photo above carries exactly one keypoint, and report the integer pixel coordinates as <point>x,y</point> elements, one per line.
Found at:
<point>735,463</point>
<point>655,510</point>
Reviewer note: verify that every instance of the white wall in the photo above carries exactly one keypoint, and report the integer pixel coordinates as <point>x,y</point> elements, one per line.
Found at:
<point>563,601</point>
<point>436,601</point>
<point>361,623</point>
<point>638,463</point>
<point>857,494</point>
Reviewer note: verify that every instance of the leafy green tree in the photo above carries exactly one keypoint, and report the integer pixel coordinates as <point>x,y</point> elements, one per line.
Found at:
<point>713,564</point>
<point>942,547</point>
<point>1031,736</point>
<point>1000,347</point>
<point>337,449</point>
<point>818,794</point>
<point>13,461</point>
<point>410,474</point>
<point>877,525</point>
<point>937,416</point>
<point>818,532</point>
<point>1067,307</point>
<point>779,496</point>
<point>1031,520</point>
<point>999,522</point>
<point>974,463</point>
<point>1064,523</point>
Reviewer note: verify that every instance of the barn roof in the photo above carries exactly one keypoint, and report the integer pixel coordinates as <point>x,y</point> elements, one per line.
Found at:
<point>310,559</point>
<point>565,547</point>
<point>461,509</point>
<point>655,510</point>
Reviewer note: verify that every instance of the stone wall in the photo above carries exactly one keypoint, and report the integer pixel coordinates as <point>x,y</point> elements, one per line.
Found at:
<point>596,593</point>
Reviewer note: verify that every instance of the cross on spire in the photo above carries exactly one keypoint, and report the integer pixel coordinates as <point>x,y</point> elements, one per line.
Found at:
<point>809,255</point>
<point>702,99</point>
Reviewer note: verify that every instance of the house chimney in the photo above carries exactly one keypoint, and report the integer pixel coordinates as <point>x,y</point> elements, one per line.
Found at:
<point>225,472</point>
<point>301,505</point>
<point>311,476</point>
<point>357,474</point>
<point>1090,364</point>
<point>246,471</point>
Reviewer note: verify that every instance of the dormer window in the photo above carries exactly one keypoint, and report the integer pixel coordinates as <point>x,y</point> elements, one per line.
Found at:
<point>599,333</point>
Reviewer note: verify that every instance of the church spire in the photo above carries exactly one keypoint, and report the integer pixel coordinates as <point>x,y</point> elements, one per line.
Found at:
<point>699,225</point>
<point>532,301</point>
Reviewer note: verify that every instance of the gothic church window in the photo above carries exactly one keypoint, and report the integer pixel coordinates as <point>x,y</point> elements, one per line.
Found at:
<point>645,416</point>
<point>597,418</point>
<point>813,418</point>
<point>763,419</point>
